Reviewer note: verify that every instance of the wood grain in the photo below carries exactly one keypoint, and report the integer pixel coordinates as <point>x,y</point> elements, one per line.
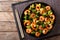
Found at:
<point>9,36</point>
<point>7,26</point>
<point>6,16</point>
<point>6,6</point>
<point>8,30</point>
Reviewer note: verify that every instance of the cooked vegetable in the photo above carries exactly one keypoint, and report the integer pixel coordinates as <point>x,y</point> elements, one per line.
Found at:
<point>28,27</point>
<point>40,31</point>
<point>32,6</point>
<point>33,10</point>
<point>38,19</point>
<point>50,12</point>
<point>43,25</point>
<point>42,10</point>
<point>33,32</point>
<point>25,17</point>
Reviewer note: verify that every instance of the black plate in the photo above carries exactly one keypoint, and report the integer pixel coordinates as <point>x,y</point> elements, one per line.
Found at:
<point>23,16</point>
<point>55,31</point>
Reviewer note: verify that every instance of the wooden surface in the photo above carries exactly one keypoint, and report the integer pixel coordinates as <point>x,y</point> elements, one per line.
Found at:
<point>8,30</point>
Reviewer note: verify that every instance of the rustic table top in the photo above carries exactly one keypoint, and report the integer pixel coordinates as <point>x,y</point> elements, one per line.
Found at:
<point>8,30</point>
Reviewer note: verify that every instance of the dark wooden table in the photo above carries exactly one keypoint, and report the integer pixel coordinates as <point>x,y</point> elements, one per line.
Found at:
<point>8,30</point>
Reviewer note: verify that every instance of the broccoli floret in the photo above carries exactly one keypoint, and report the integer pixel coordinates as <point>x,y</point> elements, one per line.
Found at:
<point>25,17</point>
<point>28,27</point>
<point>43,25</point>
<point>33,10</point>
<point>50,12</point>
<point>40,31</point>
<point>33,32</point>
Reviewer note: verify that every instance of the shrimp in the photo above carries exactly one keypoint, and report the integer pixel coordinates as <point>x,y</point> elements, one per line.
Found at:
<point>37,7</point>
<point>48,8</point>
<point>51,22</point>
<point>27,22</point>
<point>46,19</point>
<point>49,26</point>
<point>33,26</point>
<point>34,20</point>
<point>40,27</point>
<point>53,17</point>
<point>42,10</point>
<point>37,34</point>
<point>41,18</point>
<point>45,31</point>
<point>28,31</point>
<point>32,15</point>
<point>26,12</point>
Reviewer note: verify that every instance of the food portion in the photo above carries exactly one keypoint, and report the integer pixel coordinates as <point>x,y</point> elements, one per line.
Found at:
<point>38,19</point>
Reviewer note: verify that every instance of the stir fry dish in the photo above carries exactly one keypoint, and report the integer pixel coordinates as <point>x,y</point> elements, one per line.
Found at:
<point>38,19</point>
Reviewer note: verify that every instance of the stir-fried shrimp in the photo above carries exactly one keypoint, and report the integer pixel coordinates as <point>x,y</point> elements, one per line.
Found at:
<point>46,19</point>
<point>48,8</point>
<point>33,26</point>
<point>27,22</point>
<point>34,20</point>
<point>37,7</point>
<point>28,31</point>
<point>49,26</point>
<point>40,27</point>
<point>32,15</point>
<point>45,31</point>
<point>38,19</point>
<point>41,18</point>
<point>52,17</point>
<point>26,12</point>
<point>37,34</point>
